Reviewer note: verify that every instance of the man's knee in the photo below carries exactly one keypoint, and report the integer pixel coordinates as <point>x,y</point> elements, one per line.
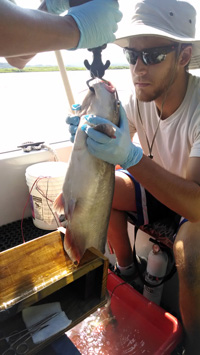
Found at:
<point>124,193</point>
<point>186,252</point>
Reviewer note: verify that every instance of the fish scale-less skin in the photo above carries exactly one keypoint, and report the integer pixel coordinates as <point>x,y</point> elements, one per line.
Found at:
<point>89,183</point>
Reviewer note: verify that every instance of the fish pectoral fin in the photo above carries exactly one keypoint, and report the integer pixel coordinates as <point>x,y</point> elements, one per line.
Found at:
<point>58,204</point>
<point>64,207</point>
<point>107,129</point>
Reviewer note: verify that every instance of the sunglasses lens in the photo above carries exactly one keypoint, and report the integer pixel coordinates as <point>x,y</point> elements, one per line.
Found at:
<point>154,57</point>
<point>131,56</point>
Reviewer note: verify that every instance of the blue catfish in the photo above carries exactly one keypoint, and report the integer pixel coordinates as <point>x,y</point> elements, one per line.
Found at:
<point>89,183</point>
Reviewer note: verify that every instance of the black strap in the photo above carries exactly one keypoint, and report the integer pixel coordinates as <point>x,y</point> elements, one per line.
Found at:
<point>165,278</point>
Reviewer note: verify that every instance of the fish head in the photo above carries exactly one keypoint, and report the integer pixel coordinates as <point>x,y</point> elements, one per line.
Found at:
<point>102,101</point>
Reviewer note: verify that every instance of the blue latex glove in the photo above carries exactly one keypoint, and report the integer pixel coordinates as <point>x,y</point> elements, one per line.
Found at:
<point>57,6</point>
<point>73,122</point>
<point>97,22</point>
<point>119,150</point>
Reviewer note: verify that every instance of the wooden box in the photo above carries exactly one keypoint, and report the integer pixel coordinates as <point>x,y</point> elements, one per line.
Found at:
<point>38,272</point>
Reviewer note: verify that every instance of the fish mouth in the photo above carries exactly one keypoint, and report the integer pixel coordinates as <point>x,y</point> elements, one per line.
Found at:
<point>108,86</point>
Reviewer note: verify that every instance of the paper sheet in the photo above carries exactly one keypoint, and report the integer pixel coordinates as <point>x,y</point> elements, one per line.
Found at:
<point>35,314</point>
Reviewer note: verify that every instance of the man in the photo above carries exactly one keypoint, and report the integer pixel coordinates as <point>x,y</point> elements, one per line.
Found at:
<point>25,32</point>
<point>160,186</point>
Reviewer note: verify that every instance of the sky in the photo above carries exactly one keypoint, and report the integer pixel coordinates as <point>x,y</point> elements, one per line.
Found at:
<point>112,52</point>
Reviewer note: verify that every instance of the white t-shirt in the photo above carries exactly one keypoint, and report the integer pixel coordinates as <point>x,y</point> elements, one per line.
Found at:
<point>178,136</point>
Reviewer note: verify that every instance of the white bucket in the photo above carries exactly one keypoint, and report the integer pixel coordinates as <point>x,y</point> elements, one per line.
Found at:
<point>45,182</point>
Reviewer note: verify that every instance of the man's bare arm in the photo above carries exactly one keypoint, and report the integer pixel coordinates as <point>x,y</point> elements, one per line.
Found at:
<point>179,194</point>
<point>26,31</point>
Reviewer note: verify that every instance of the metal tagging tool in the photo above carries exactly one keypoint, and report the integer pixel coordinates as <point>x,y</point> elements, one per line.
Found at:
<point>97,68</point>
<point>19,345</point>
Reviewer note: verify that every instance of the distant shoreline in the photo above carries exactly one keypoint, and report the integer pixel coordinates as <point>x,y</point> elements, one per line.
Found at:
<point>51,69</point>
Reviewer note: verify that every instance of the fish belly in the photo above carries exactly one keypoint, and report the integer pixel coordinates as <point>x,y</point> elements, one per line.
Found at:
<point>88,192</point>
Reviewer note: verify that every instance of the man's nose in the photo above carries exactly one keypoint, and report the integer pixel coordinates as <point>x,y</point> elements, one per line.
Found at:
<point>139,67</point>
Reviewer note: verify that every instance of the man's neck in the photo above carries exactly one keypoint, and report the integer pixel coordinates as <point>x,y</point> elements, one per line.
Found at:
<point>169,103</point>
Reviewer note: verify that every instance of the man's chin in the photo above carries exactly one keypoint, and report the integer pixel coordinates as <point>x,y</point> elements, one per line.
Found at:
<point>144,98</point>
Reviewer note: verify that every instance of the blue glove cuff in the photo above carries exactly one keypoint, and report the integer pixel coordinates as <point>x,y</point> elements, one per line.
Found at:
<point>57,6</point>
<point>134,157</point>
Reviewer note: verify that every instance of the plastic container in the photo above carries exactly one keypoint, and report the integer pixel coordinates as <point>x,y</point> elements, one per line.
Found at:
<point>45,181</point>
<point>155,331</point>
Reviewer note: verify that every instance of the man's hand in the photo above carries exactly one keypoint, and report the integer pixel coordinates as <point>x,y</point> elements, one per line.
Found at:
<point>96,19</point>
<point>117,150</point>
<point>73,122</point>
<point>97,22</point>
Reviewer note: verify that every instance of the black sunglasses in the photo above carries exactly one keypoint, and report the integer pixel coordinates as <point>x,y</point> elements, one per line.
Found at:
<point>149,56</point>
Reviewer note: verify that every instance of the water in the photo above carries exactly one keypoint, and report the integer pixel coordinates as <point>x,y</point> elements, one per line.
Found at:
<point>34,105</point>
<point>118,330</point>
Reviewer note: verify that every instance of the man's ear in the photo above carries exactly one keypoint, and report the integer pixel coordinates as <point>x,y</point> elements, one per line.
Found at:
<point>185,56</point>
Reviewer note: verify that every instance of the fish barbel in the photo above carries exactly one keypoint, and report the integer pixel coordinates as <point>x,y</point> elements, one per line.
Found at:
<point>89,183</point>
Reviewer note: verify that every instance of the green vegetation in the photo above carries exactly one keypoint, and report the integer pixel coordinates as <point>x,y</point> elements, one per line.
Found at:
<point>49,69</point>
